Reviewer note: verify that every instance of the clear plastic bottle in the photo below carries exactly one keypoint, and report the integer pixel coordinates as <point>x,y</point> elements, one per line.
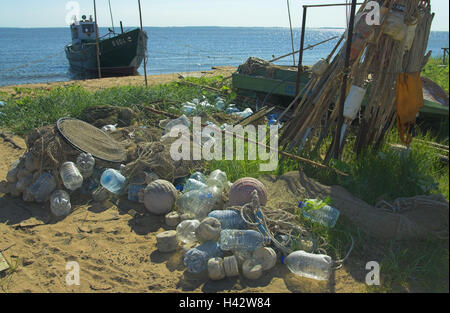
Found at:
<point>199,177</point>
<point>232,110</point>
<point>186,231</point>
<point>42,188</point>
<point>229,219</point>
<point>113,181</point>
<point>86,163</point>
<point>319,212</point>
<point>181,121</point>
<point>60,203</point>
<point>218,178</point>
<point>232,239</point>
<point>199,203</point>
<point>315,266</point>
<point>220,104</point>
<point>193,184</point>
<point>71,176</point>
<point>196,259</point>
<point>244,114</point>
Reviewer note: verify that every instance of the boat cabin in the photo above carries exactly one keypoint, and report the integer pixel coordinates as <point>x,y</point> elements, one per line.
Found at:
<point>83,30</point>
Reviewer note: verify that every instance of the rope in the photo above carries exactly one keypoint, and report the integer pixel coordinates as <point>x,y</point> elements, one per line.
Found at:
<point>255,216</point>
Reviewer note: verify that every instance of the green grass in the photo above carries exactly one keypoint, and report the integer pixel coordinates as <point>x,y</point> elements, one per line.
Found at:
<point>437,72</point>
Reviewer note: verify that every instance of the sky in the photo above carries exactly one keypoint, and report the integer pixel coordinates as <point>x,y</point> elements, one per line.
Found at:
<point>246,13</point>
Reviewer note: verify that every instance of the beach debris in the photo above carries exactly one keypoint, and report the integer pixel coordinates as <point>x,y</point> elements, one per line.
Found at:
<point>71,176</point>
<point>314,266</point>
<point>233,239</point>
<point>252,269</point>
<point>60,203</point>
<point>172,219</point>
<point>244,114</point>
<point>217,179</point>
<point>85,164</point>
<point>42,188</point>
<point>320,212</point>
<point>229,219</point>
<point>113,181</point>
<point>266,256</point>
<point>160,197</point>
<point>136,192</point>
<point>230,265</point>
<point>100,194</point>
<point>109,128</point>
<point>186,231</point>
<point>167,241</point>
<point>208,230</point>
<point>196,259</point>
<point>199,203</point>
<point>216,270</point>
<point>241,191</point>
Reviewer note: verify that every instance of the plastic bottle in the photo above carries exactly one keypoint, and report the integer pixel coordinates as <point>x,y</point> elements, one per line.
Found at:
<point>231,110</point>
<point>133,191</point>
<point>189,109</point>
<point>71,176</point>
<point>42,187</point>
<point>220,104</point>
<point>198,203</point>
<point>60,203</point>
<point>317,212</point>
<point>229,219</point>
<point>85,164</point>
<point>193,184</point>
<point>218,179</point>
<point>244,114</point>
<point>196,259</point>
<point>232,239</point>
<point>113,181</point>
<point>186,231</point>
<point>110,128</point>
<point>182,121</point>
<point>315,266</point>
<point>89,185</point>
<point>199,176</point>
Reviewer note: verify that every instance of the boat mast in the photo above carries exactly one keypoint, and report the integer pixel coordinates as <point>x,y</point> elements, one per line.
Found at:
<point>97,42</point>
<point>145,48</point>
<point>112,18</point>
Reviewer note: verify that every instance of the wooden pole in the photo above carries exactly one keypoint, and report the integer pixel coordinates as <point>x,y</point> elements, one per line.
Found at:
<point>145,53</point>
<point>337,141</point>
<point>97,42</point>
<point>292,34</point>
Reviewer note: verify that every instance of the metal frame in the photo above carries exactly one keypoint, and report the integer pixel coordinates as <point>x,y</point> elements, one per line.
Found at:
<point>302,38</point>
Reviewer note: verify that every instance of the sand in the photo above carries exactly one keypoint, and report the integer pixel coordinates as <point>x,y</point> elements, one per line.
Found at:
<point>115,247</point>
<point>114,243</point>
<point>96,84</point>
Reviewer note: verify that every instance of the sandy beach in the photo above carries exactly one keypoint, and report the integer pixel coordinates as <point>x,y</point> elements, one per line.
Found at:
<point>108,82</point>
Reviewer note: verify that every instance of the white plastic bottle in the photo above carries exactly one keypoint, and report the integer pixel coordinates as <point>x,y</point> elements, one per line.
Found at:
<point>86,163</point>
<point>71,176</point>
<point>315,266</point>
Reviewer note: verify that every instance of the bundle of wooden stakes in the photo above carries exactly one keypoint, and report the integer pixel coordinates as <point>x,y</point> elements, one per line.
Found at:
<point>378,55</point>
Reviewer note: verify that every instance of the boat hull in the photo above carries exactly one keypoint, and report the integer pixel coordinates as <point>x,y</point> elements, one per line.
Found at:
<point>120,55</point>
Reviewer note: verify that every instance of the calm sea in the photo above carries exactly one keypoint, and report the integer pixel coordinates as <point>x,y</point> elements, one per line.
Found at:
<point>37,55</point>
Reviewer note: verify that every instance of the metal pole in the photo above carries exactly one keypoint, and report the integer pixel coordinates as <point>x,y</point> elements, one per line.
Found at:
<point>302,44</point>
<point>121,27</point>
<point>97,42</point>
<point>145,53</point>
<point>337,141</point>
<point>292,34</point>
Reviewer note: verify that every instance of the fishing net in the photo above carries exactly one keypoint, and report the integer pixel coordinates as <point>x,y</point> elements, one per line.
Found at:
<point>404,219</point>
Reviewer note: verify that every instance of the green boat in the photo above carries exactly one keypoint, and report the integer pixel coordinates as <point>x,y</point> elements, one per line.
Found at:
<point>120,54</point>
<point>259,77</point>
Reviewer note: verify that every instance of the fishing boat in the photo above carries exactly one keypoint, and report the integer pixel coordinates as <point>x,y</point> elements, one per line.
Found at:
<point>119,54</point>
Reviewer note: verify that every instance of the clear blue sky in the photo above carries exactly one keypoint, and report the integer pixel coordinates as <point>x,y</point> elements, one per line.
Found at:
<point>266,13</point>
